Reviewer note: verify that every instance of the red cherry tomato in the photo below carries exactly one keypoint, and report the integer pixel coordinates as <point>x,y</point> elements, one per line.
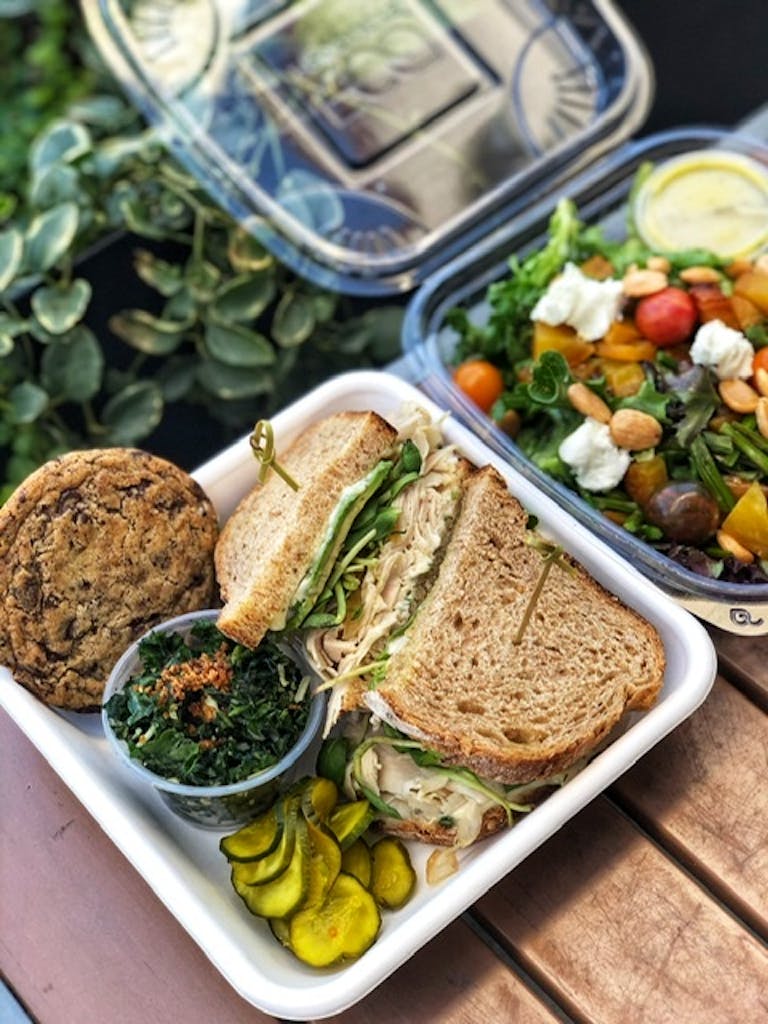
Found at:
<point>481,381</point>
<point>666,317</point>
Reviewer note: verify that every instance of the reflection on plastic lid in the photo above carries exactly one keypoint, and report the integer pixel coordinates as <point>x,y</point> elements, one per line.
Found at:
<point>368,142</point>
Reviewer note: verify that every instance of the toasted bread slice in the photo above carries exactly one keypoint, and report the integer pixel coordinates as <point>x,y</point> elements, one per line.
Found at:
<point>271,540</point>
<point>513,703</point>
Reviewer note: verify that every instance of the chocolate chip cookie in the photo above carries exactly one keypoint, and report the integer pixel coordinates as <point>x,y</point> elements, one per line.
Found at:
<point>96,547</point>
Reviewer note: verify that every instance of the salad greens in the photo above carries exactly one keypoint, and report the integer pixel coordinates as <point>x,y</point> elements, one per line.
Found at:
<point>210,712</point>
<point>704,443</point>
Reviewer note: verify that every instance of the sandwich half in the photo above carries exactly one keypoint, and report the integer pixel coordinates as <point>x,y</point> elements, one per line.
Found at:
<point>515,668</point>
<point>293,561</point>
<point>275,551</point>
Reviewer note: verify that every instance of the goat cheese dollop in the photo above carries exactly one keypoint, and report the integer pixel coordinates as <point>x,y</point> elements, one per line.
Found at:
<point>597,462</point>
<point>723,349</point>
<point>583,303</point>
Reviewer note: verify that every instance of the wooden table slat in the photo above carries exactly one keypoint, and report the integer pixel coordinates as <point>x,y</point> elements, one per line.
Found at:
<point>744,660</point>
<point>46,939</point>
<point>702,793</point>
<point>456,979</point>
<point>619,933</point>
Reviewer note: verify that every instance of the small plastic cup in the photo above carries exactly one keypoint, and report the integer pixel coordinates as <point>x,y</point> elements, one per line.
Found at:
<point>215,807</point>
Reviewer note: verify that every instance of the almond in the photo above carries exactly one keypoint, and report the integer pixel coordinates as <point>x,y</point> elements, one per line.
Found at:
<point>761,379</point>
<point>700,275</point>
<point>761,263</point>
<point>738,395</point>
<point>638,283</point>
<point>635,430</point>
<point>761,415</point>
<point>737,268</point>
<point>659,263</point>
<point>585,401</point>
<point>734,547</point>
<point>510,423</point>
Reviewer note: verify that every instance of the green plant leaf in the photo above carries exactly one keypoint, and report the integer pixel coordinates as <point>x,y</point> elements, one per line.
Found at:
<point>294,319</point>
<point>28,401</point>
<point>138,217</point>
<point>11,252</point>
<point>232,382</point>
<point>235,345</point>
<point>6,344</point>
<point>15,8</point>
<point>246,296</point>
<point>181,306</point>
<point>105,111</point>
<point>72,366</point>
<point>202,278</point>
<point>177,377</point>
<point>164,277</point>
<point>133,413</point>
<point>50,236</point>
<point>12,324</point>
<point>39,333</point>
<point>58,309</point>
<point>246,253</point>
<point>62,142</point>
<point>147,333</point>
<point>385,329</point>
<point>325,304</point>
<point>110,156</point>
<point>58,183</point>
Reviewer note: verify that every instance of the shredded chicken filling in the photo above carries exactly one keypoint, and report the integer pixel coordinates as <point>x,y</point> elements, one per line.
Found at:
<point>425,796</point>
<point>389,589</point>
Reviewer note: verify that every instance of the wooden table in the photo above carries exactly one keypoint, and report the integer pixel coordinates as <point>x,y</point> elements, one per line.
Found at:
<point>651,905</point>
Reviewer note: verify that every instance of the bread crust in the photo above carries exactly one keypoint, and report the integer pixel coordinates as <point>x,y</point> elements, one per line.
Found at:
<point>270,541</point>
<point>513,708</point>
<point>96,547</point>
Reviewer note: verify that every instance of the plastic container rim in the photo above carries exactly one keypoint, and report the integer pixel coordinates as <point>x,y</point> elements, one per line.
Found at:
<point>116,681</point>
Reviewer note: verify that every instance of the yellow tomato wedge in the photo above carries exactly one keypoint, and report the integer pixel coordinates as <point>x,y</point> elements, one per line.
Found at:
<point>563,339</point>
<point>627,352</point>
<point>747,522</point>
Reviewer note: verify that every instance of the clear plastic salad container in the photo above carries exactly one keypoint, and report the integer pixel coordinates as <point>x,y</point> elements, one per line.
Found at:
<point>365,144</point>
<point>601,195</point>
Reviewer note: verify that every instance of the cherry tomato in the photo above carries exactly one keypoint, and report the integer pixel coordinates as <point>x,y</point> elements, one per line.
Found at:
<point>666,317</point>
<point>481,381</point>
<point>760,362</point>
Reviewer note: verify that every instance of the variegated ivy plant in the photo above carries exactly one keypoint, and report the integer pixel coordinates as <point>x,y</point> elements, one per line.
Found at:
<point>231,328</point>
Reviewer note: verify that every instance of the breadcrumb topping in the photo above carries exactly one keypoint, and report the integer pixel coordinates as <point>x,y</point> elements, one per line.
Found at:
<point>188,677</point>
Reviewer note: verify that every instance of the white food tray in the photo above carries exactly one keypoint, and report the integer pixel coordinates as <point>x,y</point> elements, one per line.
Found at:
<point>182,864</point>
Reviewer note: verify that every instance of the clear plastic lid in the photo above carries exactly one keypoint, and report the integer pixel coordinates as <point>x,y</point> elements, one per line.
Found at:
<point>365,142</point>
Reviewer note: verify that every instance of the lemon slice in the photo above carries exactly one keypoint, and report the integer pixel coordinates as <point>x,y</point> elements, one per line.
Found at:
<point>713,199</point>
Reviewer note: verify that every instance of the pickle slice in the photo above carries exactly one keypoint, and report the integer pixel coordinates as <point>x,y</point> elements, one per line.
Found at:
<point>258,838</point>
<point>281,930</point>
<point>287,892</point>
<point>356,860</point>
<point>318,799</point>
<point>263,870</point>
<point>324,864</point>
<point>343,927</point>
<point>392,876</point>
<point>349,821</point>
